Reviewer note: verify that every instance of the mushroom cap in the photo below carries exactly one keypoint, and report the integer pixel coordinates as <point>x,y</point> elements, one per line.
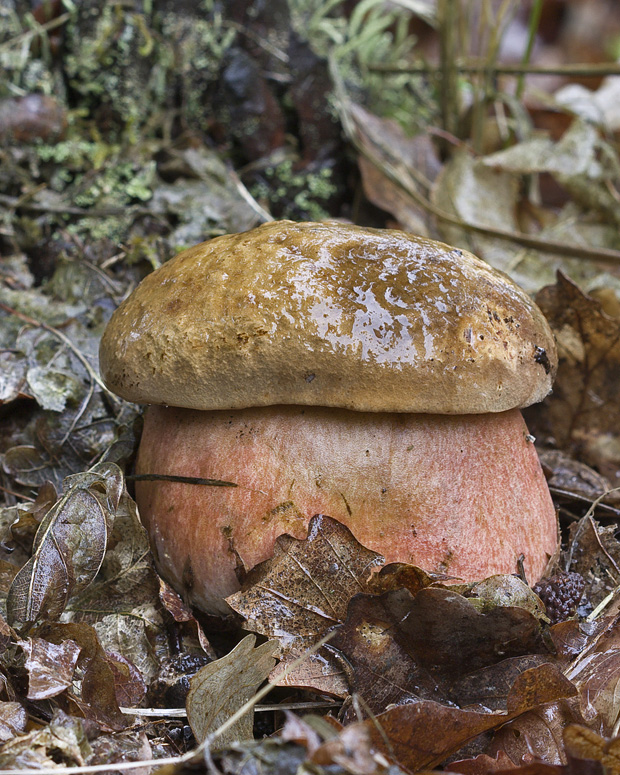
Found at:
<point>329,314</point>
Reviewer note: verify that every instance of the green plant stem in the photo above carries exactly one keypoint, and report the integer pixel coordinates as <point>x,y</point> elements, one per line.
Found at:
<point>596,70</point>
<point>533,29</point>
<point>448,95</point>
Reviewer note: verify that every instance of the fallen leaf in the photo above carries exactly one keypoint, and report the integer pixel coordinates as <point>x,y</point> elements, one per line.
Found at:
<point>299,731</point>
<point>13,720</point>
<point>583,412</point>
<point>62,741</point>
<point>536,734</point>
<point>483,197</point>
<point>482,764</point>
<point>380,671</point>
<point>69,546</point>
<point>423,734</point>
<point>446,631</point>
<point>572,481</point>
<point>131,746</point>
<point>585,745</point>
<point>50,666</point>
<point>581,161</point>
<point>221,688</point>
<point>594,552</point>
<point>596,674</point>
<point>96,699</point>
<point>352,749</point>
<point>302,592</point>
<point>128,681</point>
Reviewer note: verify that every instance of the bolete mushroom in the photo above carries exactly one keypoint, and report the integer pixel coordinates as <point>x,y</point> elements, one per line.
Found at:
<point>370,375</point>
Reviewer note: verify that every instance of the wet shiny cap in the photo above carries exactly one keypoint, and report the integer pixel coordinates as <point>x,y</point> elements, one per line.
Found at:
<point>329,314</point>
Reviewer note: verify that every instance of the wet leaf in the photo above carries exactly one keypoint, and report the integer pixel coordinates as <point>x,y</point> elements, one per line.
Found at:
<point>69,546</point>
<point>423,734</point>
<point>96,699</point>
<point>537,733</point>
<point>302,592</point>
<point>221,688</point>
<point>50,666</point>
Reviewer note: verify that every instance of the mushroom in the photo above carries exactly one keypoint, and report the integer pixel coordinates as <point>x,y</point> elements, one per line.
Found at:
<point>370,375</point>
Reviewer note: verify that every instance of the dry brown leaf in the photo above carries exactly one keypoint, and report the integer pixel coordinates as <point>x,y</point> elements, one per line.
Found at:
<point>302,592</point>
<point>96,699</point>
<point>221,688</point>
<point>594,552</point>
<point>69,546</point>
<point>482,764</point>
<point>583,411</point>
<point>585,745</point>
<point>537,734</point>
<point>383,144</point>
<point>50,666</point>
<point>13,720</point>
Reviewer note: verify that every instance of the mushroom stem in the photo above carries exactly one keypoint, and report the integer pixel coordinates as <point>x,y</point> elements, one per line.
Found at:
<point>458,494</point>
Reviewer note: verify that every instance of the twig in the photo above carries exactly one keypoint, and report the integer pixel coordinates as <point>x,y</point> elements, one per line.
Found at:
<point>596,70</point>
<point>574,496</point>
<point>46,27</point>
<point>180,479</point>
<point>448,95</point>
<point>64,339</point>
<point>182,712</point>
<point>17,494</point>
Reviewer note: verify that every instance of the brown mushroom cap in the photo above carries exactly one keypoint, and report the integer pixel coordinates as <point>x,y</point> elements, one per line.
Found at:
<point>328,314</point>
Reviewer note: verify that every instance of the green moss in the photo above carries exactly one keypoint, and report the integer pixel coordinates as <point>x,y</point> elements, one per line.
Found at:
<point>297,194</point>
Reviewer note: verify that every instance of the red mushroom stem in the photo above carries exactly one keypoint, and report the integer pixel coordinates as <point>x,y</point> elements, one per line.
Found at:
<point>458,494</point>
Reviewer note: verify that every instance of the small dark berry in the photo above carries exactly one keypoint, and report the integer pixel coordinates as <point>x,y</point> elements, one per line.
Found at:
<point>561,594</point>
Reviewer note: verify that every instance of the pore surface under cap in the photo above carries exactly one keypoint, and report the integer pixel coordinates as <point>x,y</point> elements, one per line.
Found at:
<point>329,314</point>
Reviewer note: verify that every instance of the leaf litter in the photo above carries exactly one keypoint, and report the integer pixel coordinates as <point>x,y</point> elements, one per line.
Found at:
<point>419,672</point>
